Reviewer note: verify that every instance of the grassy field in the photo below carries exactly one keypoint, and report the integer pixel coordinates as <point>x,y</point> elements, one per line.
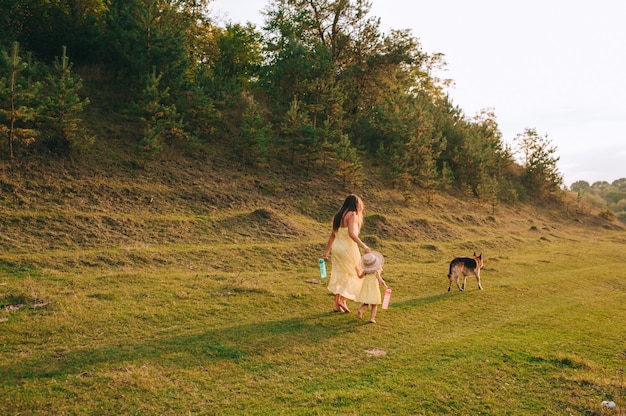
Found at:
<point>137,298</point>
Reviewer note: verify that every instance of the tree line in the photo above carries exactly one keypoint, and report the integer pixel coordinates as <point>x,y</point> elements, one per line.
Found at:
<point>318,84</point>
<point>609,197</point>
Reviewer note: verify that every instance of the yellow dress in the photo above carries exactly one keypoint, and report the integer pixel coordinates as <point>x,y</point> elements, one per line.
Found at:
<point>370,291</point>
<point>345,258</point>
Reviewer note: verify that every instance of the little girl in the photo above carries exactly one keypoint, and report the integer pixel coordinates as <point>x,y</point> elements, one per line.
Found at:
<point>371,268</point>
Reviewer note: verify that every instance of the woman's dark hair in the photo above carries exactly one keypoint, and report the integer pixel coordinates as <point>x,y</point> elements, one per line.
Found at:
<point>349,204</point>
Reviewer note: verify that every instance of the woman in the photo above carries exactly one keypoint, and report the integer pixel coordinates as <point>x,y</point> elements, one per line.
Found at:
<point>345,242</point>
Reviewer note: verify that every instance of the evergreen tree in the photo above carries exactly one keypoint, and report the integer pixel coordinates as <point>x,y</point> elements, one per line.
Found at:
<point>256,136</point>
<point>297,131</point>
<point>447,176</point>
<point>43,26</point>
<point>541,176</point>
<point>429,178</point>
<point>488,192</point>
<point>10,23</point>
<point>200,113</point>
<point>61,107</point>
<point>349,161</point>
<point>141,35</point>
<point>308,50</point>
<point>17,99</point>
<point>333,126</point>
<point>163,124</point>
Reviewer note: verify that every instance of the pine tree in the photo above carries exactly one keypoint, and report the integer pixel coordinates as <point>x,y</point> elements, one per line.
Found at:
<point>447,176</point>
<point>487,191</point>
<point>297,130</point>
<point>256,135</point>
<point>541,176</point>
<point>349,161</point>
<point>163,124</point>
<point>429,178</point>
<point>61,108</point>
<point>17,96</point>
<point>145,34</point>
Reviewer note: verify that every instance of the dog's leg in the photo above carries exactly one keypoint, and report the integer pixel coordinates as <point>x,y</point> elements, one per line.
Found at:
<point>478,280</point>
<point>458,279</point>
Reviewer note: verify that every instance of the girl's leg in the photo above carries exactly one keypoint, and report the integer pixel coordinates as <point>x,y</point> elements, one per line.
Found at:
<point>373,314</point>
<point>359,313</point>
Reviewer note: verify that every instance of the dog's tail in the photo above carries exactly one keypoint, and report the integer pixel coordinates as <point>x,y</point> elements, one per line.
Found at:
<point>450,271</point>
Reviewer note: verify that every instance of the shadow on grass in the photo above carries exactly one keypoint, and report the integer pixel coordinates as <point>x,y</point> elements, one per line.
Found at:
<point>189,347</point>
<point>418,302</point>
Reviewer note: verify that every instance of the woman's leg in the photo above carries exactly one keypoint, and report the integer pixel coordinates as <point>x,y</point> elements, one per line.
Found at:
<point>337,308</point>
<point>343,305</point>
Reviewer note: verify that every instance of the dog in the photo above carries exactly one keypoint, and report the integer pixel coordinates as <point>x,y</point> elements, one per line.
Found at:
<point>465,266</point>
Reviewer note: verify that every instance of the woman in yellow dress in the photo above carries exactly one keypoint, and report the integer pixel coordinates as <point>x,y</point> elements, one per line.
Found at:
<point>345,242</point>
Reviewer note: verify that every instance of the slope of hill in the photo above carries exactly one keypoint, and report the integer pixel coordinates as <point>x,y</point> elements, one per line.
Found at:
<point>106,199</point>
<point>189,285</point>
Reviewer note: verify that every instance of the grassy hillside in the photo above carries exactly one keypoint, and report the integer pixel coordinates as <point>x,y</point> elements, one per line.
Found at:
<point>190,286</point>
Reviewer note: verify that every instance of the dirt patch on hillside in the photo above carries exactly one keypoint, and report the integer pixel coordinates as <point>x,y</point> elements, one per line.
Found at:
<point>408,229</point>
<point>262,223</point>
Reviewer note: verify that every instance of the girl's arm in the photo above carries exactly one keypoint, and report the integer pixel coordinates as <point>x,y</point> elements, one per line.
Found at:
<point>380,279</point>
<point>353,230</point>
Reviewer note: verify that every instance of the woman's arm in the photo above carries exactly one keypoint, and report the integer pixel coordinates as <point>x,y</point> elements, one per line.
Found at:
<point>331,240</point>
<point>353,230</point>
<point>359,273</point>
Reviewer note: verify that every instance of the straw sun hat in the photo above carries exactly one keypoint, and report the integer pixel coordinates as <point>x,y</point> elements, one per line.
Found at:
<point>372,261</point>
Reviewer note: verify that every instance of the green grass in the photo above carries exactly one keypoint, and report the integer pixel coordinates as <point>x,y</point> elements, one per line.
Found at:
<point>188,287</point>
<point>238,329</point>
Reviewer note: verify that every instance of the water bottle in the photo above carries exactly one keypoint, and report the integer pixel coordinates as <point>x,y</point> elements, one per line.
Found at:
<point>387,298</point>
<point>322,268</point>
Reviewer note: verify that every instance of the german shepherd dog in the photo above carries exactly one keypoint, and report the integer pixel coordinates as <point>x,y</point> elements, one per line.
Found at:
<point>465,266</point>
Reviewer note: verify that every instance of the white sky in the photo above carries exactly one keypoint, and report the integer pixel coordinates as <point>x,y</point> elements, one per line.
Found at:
<point>558,66</point>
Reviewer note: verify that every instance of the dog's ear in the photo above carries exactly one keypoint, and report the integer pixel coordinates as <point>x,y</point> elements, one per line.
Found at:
<point>474,254</point>
<point>480,256</point>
